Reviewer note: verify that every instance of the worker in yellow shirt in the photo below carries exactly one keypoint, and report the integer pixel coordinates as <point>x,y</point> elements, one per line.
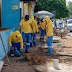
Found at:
<point>16,44</point>
<point>43,26</point>
<point>35,27</point>
<point>49,33</point>
<point>26,32</point>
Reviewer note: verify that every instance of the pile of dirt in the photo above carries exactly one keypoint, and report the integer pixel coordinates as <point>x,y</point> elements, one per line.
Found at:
<point>35,59</point>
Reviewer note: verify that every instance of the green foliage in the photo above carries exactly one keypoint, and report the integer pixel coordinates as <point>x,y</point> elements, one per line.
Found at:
<point>53,5</point>
<point>70,7</point>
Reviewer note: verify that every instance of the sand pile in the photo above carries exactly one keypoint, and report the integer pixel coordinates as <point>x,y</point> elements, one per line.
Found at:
<point>35,59</point>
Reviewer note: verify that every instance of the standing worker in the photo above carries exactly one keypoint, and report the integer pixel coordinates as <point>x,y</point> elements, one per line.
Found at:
<point>35,27</point>
<point>26,33</point>
<point>16,44</point>
<point>43,26</point>
<point>49,32</point>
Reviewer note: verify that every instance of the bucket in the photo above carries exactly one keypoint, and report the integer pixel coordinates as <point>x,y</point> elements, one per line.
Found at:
<point>56,64</point>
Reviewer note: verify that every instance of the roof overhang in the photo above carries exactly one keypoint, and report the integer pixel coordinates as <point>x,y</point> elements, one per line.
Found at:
<point>27,0</point>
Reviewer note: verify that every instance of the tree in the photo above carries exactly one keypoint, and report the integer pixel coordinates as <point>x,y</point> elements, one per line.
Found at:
<point>63,2</point>
<point>70,7</point>
<point>53,5</point>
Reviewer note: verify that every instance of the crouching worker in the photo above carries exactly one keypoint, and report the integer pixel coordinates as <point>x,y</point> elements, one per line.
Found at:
<point>49,32</point>
<point>16,44</point>
<point>35,28</point>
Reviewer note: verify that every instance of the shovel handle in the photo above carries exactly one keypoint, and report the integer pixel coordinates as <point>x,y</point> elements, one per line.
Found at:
<point>5,51</point>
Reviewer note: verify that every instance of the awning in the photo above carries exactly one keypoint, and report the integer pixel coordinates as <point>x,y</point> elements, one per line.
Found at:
<point>27,0</point>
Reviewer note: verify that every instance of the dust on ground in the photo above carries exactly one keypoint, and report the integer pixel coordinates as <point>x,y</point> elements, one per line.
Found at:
<point>28,62</point>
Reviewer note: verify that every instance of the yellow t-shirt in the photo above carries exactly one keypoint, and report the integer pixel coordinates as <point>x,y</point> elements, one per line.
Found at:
<point>25,25</point>
<point>35,27</point>
<point>49,29</point>
<point>49,26</point>
<point>42,25</point>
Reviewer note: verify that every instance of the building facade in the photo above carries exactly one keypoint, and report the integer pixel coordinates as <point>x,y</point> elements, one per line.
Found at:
<point>12,11</point>
<point>27,8</point>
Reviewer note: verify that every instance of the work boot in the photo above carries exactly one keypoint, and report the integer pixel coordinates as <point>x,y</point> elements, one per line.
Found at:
<point>48,52</point>
<point>27,52</point>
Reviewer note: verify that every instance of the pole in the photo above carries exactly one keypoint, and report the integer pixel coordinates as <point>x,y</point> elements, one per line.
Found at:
<point>5,52</point>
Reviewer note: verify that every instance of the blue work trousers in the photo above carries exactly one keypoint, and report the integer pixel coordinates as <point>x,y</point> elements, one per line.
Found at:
<point>16,45</point>
<point>42,33</point>
<point>26,36</point>
<point>34,39</point>
<point>16,50</point>
<point>49,43</point>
